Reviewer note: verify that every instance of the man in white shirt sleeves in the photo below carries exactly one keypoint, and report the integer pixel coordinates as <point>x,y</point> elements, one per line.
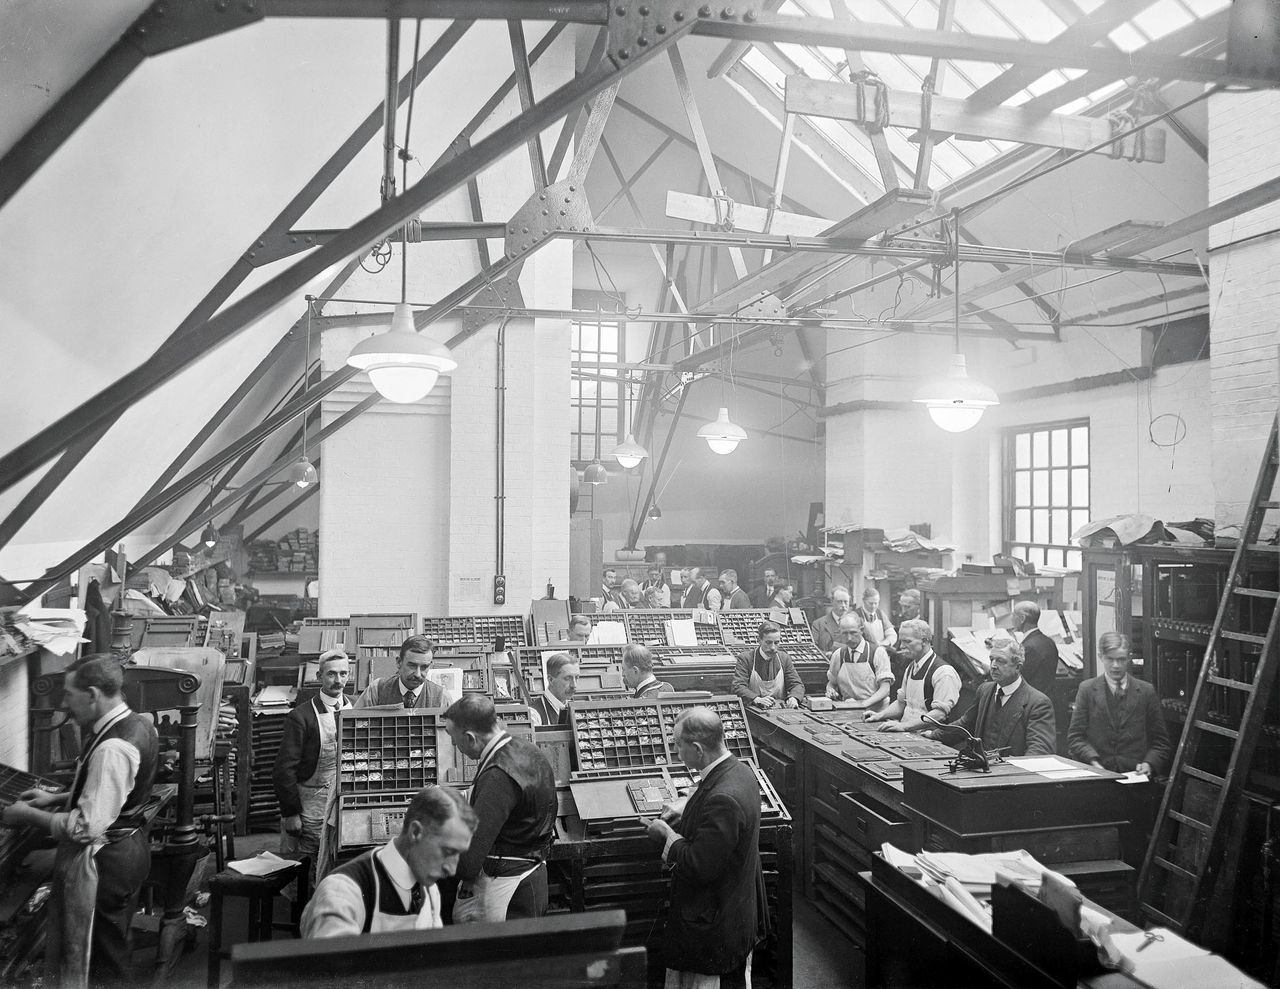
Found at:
<point>393,887</point>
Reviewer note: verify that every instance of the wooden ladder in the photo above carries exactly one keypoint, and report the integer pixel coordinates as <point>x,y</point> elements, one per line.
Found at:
<point>1236,681</point>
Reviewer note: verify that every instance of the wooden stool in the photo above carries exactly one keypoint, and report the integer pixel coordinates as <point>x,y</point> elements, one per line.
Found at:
<point>261,892</point>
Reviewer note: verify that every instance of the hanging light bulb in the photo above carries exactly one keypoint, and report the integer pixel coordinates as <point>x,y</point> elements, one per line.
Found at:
<point>210,536</point>
<point>403,364</point>
<point>303,472</point>
<point>956,401</point>
<point>629,453</point>
<point>655,513</point>
<point>722,435</point>
<point>596,474</point>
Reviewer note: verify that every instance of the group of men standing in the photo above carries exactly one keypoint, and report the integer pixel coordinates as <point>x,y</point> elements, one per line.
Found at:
<point>695,590</point>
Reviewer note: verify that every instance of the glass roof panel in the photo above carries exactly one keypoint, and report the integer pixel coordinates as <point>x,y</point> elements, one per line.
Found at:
<point>1127,38</point>
<point>1203,8</point>
<point>1161,18</point>
<point>1033,20</point>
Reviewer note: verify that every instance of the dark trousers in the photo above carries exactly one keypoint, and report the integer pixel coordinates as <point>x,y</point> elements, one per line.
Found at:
<point>122,868</point>
<point>531,896</point>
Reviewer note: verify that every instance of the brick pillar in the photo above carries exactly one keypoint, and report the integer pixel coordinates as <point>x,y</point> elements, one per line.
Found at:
<point>1244,295</point>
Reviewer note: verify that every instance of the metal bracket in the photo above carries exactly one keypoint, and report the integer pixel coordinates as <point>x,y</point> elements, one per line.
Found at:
<point>170,24</point>
<point>503,292</point>
<point>274,246</point>
<point>634,25</point>
<point>561,206</point>
<point>768,306</point>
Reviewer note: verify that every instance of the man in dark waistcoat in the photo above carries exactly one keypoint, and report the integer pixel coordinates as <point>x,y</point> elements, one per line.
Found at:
<point>503,875</point>
<point>103,854</point>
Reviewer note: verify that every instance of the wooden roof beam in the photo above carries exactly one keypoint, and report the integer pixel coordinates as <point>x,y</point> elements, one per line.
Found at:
<point>839,101</point>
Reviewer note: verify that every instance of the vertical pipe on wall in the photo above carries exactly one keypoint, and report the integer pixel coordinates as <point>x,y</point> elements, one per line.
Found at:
<point>500,497</point>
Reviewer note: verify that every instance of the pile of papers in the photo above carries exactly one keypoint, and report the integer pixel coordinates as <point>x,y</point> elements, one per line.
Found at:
<point>906,541</point>
<point>60,630</point>
<point>977,873</point>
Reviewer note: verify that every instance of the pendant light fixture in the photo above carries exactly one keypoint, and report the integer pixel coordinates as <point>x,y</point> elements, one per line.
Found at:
<point>595,472</point>
<point>956,401</point>
<point>628,453</point>
<point>654,513</point>
<point>403,364</point>
<point>303,472</point>
<point>722,435</point>
<point>209,538</point>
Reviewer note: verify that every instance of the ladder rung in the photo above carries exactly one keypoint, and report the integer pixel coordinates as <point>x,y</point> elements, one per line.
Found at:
<point>1257,640</point>
<point>1263,548</point>
<point>1200,774</point>
<point>1233,684</point>
<point>1255,592</point>
<point>1177,870</point>
<point>1191,822</point>
<point>1160,916</point>
<point>1216,729</point>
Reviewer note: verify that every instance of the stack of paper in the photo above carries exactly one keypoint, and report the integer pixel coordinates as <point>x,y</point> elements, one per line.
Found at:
<point>977,873</point>
<point>275,696</point>
<point>262,864</point>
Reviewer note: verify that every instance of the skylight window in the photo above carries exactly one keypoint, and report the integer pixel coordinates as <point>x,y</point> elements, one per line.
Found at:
<point>1161,18</point>
<point>1126,38</point>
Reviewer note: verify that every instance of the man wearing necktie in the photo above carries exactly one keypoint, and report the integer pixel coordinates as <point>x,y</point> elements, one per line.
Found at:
<point>409,688</point>
<point>307,766</point>
<point>103,854</point>
<point>717,909</point>
<point>1117,723</point>
<point>1009,713</point>
<point>393,887</point>
<point>503,876</point>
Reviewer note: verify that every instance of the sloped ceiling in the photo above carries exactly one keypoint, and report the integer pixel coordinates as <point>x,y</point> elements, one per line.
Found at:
<point>124,230</point>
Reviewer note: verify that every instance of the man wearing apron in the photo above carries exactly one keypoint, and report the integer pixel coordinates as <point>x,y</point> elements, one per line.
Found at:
<point>103,855</point>
<point>306,770</point>
<point>393,887</point>
<point>879,630</point>
<point>859,675</point>
<point>766,676</point>
<point>503,876</point>
<point>929,685</point>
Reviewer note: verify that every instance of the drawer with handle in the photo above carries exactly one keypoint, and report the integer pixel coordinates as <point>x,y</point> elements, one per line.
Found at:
<point>871,824</point>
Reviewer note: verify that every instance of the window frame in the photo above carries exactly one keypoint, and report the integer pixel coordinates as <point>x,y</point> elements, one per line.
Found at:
<point>582,424</point>
<point>1009,470</point>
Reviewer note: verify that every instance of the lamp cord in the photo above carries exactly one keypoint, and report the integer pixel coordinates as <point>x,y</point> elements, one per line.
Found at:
<point>306,377</point>
<point>955,261</point>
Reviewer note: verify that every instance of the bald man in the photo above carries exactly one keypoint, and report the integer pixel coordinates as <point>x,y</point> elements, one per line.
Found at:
<point>712,848</point>
<point>1040,666</point>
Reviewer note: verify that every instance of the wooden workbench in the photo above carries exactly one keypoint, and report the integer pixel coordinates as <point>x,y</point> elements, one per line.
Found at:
<point>847,796</point>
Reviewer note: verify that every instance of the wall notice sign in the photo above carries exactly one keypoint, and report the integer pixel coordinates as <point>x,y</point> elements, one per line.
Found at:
<point>469,591</point>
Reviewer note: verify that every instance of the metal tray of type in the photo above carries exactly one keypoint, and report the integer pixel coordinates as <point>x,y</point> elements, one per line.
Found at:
<point>648,627</point>
<point>612,800</point>
<point>890,770</point>
<point>806,652</point>
<point>744,627</point>
<point>636,733</point>
<point>387,750</point>
<point>479,629</point>
<point>370,818</point>
<point>913,748</point>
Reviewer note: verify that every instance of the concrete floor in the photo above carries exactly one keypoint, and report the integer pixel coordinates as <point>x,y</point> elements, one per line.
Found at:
<point>823,957</point>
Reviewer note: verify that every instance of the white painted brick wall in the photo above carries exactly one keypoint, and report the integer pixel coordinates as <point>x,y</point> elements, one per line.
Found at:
<point>1244,296</point>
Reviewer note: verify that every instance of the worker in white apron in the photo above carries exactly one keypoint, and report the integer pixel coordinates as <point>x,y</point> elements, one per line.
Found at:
<point>393,887</point>
<point>929,685</point>
<point>766,676</point>
<point>308,806</point>
<point>858,675</point>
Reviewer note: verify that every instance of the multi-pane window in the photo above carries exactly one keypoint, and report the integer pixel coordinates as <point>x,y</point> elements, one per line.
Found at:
<point>1046,475</point>
<point>596,388</point>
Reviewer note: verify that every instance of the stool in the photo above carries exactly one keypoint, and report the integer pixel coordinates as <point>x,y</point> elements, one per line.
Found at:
<point>261,892</point>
